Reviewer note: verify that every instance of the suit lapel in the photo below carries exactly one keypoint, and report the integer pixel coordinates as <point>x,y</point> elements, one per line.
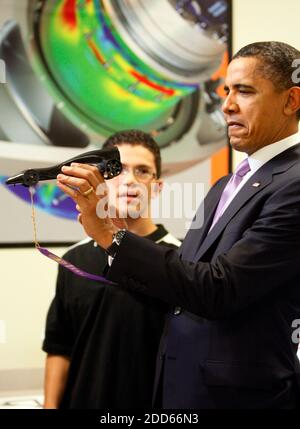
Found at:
<point>255,184</point>
<point>195,236</point>
<point>247,192</point>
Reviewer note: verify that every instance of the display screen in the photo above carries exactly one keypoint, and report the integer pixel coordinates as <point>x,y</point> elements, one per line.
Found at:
<point>78,71</point>
<point>47,198</point>
<point>106,81</point>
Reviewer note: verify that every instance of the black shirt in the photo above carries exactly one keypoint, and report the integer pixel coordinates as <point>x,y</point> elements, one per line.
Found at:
<point>111,335</point>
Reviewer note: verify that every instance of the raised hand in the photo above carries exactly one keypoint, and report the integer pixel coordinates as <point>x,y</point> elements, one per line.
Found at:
<point>85,185</point>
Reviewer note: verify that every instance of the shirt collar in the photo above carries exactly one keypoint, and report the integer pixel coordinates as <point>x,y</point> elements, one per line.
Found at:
<point>263,155</point>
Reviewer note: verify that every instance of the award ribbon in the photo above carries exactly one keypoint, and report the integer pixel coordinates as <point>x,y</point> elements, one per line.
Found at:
<point>56,258</point>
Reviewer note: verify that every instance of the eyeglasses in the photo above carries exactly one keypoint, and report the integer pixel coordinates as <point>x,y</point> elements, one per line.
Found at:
<point>141,173</point>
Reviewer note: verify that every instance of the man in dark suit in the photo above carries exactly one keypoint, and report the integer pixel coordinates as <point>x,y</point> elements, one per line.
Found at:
<point>235,286</point>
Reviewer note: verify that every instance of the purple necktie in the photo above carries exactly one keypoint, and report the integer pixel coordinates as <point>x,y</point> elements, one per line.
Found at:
<point>242,169</point>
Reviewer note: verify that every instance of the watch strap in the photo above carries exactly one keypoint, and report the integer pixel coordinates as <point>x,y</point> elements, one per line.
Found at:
<point>117,238</point>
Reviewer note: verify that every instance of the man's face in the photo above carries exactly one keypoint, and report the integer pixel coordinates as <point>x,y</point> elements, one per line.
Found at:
<point>131,191</point>
<point>253,108</point>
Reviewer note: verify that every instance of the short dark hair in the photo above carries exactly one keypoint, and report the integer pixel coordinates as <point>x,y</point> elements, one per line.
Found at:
<point>277,62</point>
<point>134,138</point>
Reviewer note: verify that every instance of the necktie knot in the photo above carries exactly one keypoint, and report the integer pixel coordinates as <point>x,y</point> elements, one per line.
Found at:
<point>243,168</point>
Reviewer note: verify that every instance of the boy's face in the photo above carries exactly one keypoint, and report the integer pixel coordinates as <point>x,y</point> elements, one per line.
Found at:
<point>132,190</point>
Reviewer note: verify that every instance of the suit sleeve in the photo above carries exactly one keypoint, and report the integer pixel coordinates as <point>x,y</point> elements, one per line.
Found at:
<point>266,257</point>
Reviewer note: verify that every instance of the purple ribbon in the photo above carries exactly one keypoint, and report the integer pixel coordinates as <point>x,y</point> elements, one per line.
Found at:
<point>72,267</point>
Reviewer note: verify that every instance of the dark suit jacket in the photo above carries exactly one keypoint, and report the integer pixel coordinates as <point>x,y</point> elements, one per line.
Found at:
<point>240,288</point>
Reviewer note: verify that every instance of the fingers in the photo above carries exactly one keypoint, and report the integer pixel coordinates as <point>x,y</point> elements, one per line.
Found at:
<point>84,171</point>
<point>84,177</point>
<point>69,191</point>
<point>78,177</point>
<point>81,201</point>
<point>81,184</point>
<point>92,168</point>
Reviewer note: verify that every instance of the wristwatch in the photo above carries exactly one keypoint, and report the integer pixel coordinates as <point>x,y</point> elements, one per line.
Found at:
<point>117,238</point>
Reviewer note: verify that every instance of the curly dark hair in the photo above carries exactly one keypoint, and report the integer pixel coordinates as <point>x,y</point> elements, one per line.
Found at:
<point>134,138</point>
<point>277,62</point>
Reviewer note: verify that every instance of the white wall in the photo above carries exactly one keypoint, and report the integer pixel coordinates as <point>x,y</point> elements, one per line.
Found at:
<point>27,285</point>
<point>27,279</point>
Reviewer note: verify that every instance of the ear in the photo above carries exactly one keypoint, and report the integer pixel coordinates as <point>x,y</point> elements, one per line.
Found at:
<point>293,101</point>
<point>156,188</point>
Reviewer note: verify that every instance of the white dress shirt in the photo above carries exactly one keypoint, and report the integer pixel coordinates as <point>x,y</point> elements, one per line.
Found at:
<point>261,157</point>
